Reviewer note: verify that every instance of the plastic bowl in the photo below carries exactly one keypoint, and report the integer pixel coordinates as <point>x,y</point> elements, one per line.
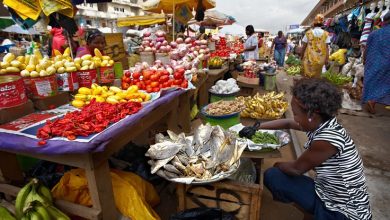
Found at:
<point>215,97</point>
<point>225,121</point>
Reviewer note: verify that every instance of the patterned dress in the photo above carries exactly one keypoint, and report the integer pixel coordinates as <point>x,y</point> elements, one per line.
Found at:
<point>315,54</point>
<point>368,21</point>
<point>377,68</point>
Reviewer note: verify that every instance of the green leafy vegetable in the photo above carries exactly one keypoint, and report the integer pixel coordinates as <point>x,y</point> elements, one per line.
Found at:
<point>264,138</point>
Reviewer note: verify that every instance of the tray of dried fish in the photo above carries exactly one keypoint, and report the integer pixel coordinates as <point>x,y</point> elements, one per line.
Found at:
<point>210,155</point>
<point>264,139</point>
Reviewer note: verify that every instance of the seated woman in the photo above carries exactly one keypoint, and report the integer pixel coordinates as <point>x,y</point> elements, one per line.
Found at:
<point>95,39</point>
<point>339,190</point>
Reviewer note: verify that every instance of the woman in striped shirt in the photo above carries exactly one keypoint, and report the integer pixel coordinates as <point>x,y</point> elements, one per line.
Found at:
<point>339,189</point>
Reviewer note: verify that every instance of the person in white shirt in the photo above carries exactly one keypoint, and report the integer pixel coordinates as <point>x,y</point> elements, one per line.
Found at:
<point>251,49</point>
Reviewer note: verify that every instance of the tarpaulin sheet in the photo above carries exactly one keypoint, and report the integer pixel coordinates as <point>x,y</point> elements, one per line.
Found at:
<point>24,141</point>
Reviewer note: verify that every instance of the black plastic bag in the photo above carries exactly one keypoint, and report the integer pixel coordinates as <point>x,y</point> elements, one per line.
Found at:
<point>203,213</point>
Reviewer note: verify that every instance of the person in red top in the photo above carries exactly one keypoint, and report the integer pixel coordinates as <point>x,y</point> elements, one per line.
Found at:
<point>95,39</point>
<point>59,41</point>
<point>261,36</point>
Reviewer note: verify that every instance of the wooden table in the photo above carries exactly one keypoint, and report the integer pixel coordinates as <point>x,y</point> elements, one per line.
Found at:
<point>95,165</point>
<point>213,76</point>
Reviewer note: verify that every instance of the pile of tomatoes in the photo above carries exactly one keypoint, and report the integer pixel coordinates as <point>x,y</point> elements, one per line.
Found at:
<point>223,50</point>
<point>154,80</point>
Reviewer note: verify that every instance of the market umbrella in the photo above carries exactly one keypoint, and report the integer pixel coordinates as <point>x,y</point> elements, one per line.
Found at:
<point>213,19</point>
<point>6,22</point>
<point>169,6</point>
<point>141,20</point>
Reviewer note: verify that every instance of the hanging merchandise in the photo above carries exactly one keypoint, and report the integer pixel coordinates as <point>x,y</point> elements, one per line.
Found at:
<point>24,23</point>
<point>25,9</point>
<point>64,7</point>
<point>183,14</point>
<point>200,11</point>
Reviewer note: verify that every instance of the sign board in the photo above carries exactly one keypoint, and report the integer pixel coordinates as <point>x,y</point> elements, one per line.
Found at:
<point>115,47</point>
<point>293,26</point>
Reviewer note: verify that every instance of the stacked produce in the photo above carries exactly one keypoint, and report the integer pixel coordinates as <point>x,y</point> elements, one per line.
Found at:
<point>34,201</point>
<point>215,62</point>
<point>112,95</point>
<point>225,87</point>
<point>155,78</point>
<point>293,60</point>
<point>92,118</point>
<point>157,45</point>
<point>210,154</point>
<point>268,106</point>
<point>224,51</point>
<point>337,79</point>
<point>223,108</point>
<point>250,69</point>
<point>12,64</point>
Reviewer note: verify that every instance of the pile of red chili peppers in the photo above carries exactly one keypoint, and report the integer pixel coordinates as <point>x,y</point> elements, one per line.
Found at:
<point>92,118</point>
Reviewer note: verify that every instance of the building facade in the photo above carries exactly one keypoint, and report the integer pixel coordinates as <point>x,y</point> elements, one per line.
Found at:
<point>105,15</point>
<point>330,8</point>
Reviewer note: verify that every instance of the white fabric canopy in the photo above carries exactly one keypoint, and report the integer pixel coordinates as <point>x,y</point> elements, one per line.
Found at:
<point>19,30</point>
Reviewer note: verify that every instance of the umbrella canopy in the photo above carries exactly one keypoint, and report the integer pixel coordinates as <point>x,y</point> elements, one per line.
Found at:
<point>141,20</point>
<point>18,30</point>
<point>6,22</point>
<point>214,18</point>
<point>167,6</point>
<point>234,29</point>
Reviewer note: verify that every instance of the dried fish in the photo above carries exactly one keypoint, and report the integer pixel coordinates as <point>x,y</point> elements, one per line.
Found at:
<point>202,135</point>
<point>183,159</point>
<point>163,150</point>
<point>162,174</point>
<point>172,135</point>
<point>160,138</point>
<point>170,175</point>
<point>172,169</point>
<point>156,165</point>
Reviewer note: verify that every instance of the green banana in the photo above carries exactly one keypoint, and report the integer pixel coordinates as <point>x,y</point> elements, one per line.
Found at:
<point>35,216</point>
<point>5,214</point>
<point>41,211</point>
<point>56,213</point>
<point>34,196</point>
<point>21,199</point>
<point>45,192</point>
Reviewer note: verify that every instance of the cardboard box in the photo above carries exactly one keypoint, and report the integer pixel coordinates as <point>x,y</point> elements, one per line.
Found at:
<point>61,98</point>
<point>13,113</point>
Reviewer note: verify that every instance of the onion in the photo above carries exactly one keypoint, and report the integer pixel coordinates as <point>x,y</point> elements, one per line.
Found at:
<point>197,42</point>
<point>196,53</point>
<point>165,43</point>
<point>179,40</point>
<point>173,44</point>
<point>197,48</point>
<point>147,39</point>
<point>163,48</point>
<point>203,42</point>
<point>154,50</point>
<point>145,65</point>
<point>145,43</point>
<point>207,50</point>
<point>187,40</point>
<point>151,44</point>
<point>203,46</point>
<point>147,34</point>
<point>158,45</point>
<point>160,33</point>
<point>160,39</point>
<point>201,51</point>
<point>148,49</point>
<point>192,49</point>
<point>169,48</point>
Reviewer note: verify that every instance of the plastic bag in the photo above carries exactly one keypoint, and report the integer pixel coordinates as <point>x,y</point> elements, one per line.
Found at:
<point>134,197</point>
<point>64,7</point>
<point>203,213</point>
<point>25,9</point>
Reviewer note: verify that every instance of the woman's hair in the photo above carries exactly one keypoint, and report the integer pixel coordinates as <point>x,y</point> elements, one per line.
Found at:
<point>91,35</point>
<point>250,29</point>
<point>318,96</point>
<point>280,33</point>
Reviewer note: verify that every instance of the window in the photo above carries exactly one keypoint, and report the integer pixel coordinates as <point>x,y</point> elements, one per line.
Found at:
<point>122,10</point>
<point>116,9</point>
<point>91,5</point>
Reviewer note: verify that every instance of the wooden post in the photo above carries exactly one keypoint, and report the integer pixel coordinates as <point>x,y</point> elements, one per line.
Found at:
<point>10,169</point>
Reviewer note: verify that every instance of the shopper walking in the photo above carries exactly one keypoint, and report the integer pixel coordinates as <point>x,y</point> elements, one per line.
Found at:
<point>376,87</point>
<point>339,189</point>
<point>251,47</point>
<point>315,50</point>
<point>279,45</point>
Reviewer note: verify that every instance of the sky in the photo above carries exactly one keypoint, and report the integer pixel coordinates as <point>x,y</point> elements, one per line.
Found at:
<point>272,15</point>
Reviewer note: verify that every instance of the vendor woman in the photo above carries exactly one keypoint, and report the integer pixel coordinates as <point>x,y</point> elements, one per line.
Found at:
<point>251,49</point>
<point>95,39</point>
<point>339,190</point>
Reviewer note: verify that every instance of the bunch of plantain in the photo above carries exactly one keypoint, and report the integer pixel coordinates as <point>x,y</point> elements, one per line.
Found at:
<point>34,202</point>
<point>294,70</point>
<point>5,214</point>
<point>268,106</point>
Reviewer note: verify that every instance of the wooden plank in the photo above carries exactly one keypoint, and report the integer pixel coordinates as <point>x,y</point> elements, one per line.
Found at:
<point>223,193</point>
<point>65,206</point>
<point>184,111</point>
<point>9,168</point>
<point>100,190</point>
<point>180,191</point>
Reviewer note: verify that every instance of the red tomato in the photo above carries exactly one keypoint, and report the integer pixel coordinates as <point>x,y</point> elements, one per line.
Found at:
<point>177,82</point>
<point>157,89</point>
<point>147,74</point>
<point>147,82</point>
<point>127,74</point>
<point>165,85</point>
<point>126,80</point>
<point>136,75</point>
<point>154,77</point>
<point>135,81</point>
<point>154,84</point>
<point>125,85</point>
<point>139,85</point>
<point>165,73</point>
<point>149,89</point>
<point>164,78</point>
<point>178,75</point>
<point>184,84</point>
<point>181,71</point>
